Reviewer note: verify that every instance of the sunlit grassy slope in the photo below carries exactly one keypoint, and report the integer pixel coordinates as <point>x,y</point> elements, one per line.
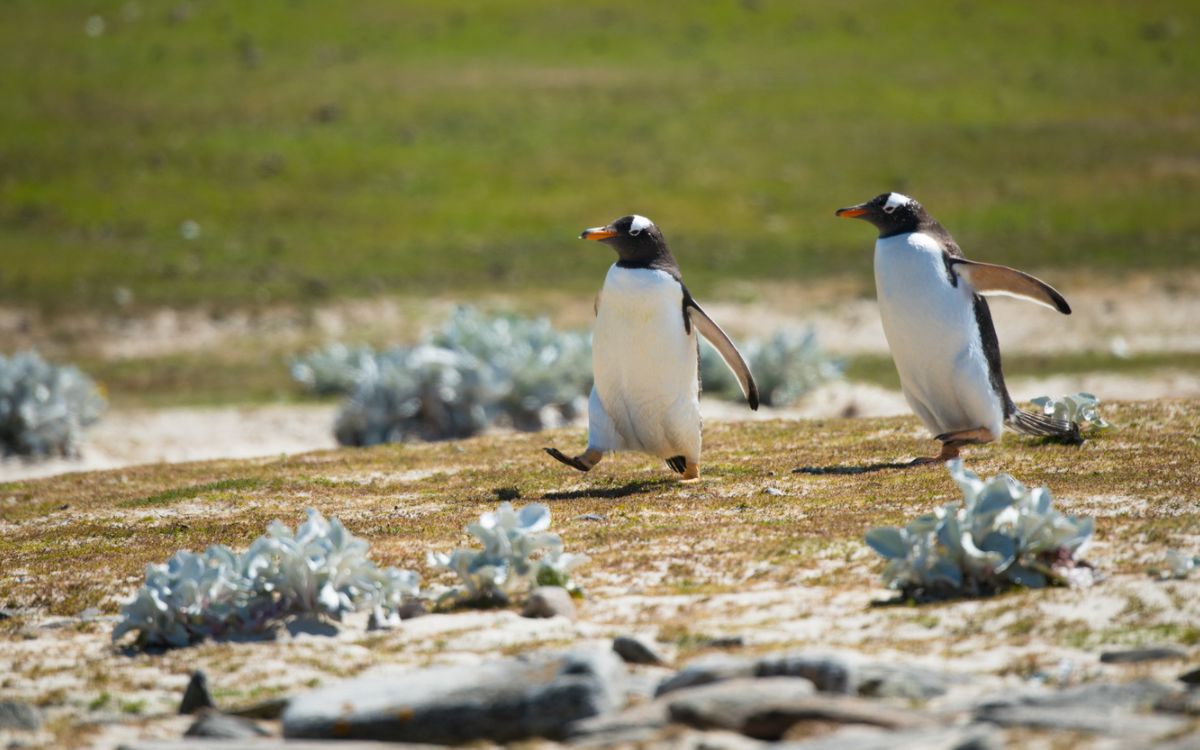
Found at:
<point>328,148</point>
<point>81,540</point>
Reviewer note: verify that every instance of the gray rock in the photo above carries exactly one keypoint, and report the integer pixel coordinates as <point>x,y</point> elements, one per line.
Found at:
<point>196,696</point>
<point>549,601</point>
<point>1186,702</point>
<point>637,650</point>
<point>639,724</point>
<point>725,641</point>
<point>375,622</point>
<point>19,716</point>
<point>1138,695</point>
<point>221,726</point>
<point>767,707</point>
<point>1137,655</point>
<point>312,626</point>
<point>269,709</point>
<point>739,705</point>
<point>706,670</point>
<point>870,738</point>
<point>501,701</point>
<point>1100,720</point>
<point>259,743</point>
<point>589,517</point>
<point>411,609</point>
<point>1190,678</point>
<point>716,740</point>
<point>905,682</point>
<point>829,674</point>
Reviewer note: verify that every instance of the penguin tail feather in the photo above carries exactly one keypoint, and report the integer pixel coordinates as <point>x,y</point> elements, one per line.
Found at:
<point>1040,425</point>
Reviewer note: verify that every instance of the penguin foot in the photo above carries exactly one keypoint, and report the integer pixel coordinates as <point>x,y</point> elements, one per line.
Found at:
<point>691,473</point>
<point>948,451</point>
<point>967,437</point>
<point>583,462</point>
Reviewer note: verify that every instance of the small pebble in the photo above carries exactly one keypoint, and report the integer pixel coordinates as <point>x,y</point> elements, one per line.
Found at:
<point>549,601</point>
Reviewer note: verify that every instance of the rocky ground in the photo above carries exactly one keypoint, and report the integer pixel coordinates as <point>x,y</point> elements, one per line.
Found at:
<point>754,607</point>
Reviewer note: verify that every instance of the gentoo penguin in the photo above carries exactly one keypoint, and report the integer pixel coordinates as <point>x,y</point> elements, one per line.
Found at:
<point>940,330</point>
<point>646,395</point>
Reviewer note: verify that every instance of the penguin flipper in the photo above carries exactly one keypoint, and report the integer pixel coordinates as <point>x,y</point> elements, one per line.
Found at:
<point>989,279</point>
<point>733,358</point>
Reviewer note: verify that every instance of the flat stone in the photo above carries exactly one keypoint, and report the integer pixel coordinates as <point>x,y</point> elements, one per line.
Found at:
<point>196,696</point>
<point>270,709</point>
<point>638,724</point>
<point>501,700</point>
<point>1137,655</point>
<point>637,650</point>
<point>738,704</point>
<point>222,726</point>
<point>870,738</point>
<point>315,626</point>
<point>209,743</point>
<point>829,674</point>
<point>767,707</point>
<point>903,681</point>
<point>717,739</point>
<point>1186,702</point>
<point>1100,720</point>
<point>549,601</point>
<point>706,670</point>
<point>19,716</point>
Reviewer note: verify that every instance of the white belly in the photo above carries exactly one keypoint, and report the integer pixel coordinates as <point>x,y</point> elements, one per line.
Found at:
<point>931,329</point>
<point>646,395</point>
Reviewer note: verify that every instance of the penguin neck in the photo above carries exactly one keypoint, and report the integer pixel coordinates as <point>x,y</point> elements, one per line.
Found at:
<point>927,225</point>
<point>662,260</point>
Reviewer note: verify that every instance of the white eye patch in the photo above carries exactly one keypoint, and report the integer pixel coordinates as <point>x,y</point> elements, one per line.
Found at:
<point>894,201</point>
<point>639,225</point>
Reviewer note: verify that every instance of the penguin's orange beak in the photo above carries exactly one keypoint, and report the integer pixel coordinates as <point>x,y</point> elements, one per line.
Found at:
<point>851,212</point>
<point>597,233</point>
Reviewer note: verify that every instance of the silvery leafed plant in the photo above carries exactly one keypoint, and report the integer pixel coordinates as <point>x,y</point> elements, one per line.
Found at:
<point>786,367</point>
<point>320,569</point>
<point>1082,409</point>
<point>1002,534</point>
<point>44,407</point>
<point>474,372</point>
<point>518,553</point>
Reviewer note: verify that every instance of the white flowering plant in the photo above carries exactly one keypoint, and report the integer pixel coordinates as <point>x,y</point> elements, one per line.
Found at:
<point>786,367</point>
<point>44,408</point>
<point>1001,535</point>
<point>319,569</point>
<point>1082,409</point>
<point>518,553</point>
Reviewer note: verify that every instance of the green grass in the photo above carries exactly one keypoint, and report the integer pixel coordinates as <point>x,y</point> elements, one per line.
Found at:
<point>879,369</point>
<point>328,150</point>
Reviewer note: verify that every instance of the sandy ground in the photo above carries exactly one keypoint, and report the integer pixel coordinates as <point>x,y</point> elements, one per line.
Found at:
<point>142,436</point>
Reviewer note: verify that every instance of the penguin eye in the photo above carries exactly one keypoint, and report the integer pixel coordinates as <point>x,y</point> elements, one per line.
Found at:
<point>889,209</point>
<point>639,224</point>
<point>634,232</point>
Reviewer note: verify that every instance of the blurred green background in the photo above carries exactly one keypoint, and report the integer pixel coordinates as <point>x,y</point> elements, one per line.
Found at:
<point>228,152</point>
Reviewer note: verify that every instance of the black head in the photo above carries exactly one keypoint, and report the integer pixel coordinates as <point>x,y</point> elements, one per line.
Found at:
<point>638,242</point>
<point>891,213</point>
